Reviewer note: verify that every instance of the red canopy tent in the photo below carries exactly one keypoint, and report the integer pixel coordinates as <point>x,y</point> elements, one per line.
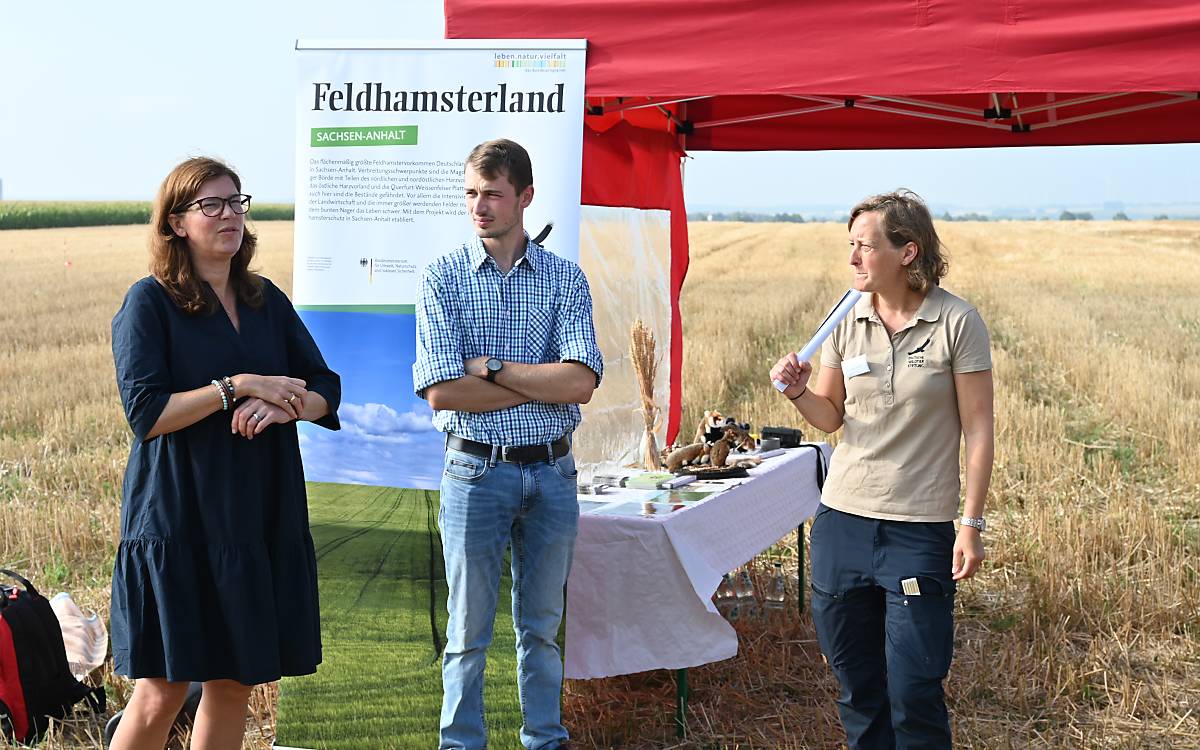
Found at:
<point>736,75</point>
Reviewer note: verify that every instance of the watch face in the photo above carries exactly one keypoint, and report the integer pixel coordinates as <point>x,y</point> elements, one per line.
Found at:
<point>494,364</point>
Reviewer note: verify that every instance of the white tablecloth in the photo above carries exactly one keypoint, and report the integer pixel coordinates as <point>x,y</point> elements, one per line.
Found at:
<point>640,592</point>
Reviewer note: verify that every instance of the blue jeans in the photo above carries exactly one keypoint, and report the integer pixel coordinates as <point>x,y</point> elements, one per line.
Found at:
<point>889,650</point>
<point>485,507</point>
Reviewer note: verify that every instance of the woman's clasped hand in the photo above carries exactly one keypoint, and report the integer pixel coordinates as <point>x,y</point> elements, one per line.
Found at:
<point>271,399</point>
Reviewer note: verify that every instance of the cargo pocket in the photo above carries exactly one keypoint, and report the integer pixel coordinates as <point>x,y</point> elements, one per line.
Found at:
<point>920,629</point>
<point>822,554</point>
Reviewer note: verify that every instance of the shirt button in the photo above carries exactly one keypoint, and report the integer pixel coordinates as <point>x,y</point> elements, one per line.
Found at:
<point>889,368</point>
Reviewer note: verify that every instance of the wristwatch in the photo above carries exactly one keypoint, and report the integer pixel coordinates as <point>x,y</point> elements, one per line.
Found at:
<point>975,523</point>
<point>494,366</point>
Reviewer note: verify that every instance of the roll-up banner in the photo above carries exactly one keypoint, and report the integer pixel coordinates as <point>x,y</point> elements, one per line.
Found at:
<point>382,131</point>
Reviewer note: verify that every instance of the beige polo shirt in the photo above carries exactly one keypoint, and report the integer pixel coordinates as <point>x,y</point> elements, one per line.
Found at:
<point>898,456</point>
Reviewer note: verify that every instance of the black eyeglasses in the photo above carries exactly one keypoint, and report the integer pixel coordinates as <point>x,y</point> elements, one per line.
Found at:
<point>213,207</point>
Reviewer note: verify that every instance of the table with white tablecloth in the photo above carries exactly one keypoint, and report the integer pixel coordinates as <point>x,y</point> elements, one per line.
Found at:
<point>639,596</point>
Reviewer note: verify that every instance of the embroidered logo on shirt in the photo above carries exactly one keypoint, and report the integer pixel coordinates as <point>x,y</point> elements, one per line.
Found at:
<point>916,358</point>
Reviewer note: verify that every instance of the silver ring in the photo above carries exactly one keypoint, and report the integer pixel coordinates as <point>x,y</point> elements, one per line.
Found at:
<point>255,416</point>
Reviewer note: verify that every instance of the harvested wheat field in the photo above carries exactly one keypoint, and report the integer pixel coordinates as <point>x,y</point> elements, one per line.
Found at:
<point>1080,631</point>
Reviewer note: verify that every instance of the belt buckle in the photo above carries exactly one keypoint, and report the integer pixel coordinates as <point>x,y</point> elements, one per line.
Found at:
<point>504,453</point>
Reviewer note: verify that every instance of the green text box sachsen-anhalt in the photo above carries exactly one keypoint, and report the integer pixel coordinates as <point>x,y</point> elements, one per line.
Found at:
<point>380,135</point>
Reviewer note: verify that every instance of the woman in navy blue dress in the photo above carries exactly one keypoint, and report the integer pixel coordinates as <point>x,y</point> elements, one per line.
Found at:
<point>215,576</point>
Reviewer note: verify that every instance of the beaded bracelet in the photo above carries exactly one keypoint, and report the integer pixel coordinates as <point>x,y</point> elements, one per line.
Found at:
<point>228,381</point>
<point>221,392</point>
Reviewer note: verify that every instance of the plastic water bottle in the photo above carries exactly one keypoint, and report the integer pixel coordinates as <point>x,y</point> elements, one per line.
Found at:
<point>776,596</point>
<point>743,586</point>
<point>725,592</point>
<point>725,598</point>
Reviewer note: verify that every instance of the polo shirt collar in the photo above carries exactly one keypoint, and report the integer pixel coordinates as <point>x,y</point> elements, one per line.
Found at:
<point>931,308</point>
<point>864,309</point>
<point>478,254</point>
<point>929,311</point>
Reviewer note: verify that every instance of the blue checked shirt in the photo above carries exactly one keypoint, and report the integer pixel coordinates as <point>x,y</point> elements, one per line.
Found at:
<point>540,312</point>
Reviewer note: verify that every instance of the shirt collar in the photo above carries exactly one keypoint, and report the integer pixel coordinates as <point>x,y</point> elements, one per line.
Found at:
<point>929,311</point>
<point>864,308</point>
<point>478,254</point>
<point>931,307</point>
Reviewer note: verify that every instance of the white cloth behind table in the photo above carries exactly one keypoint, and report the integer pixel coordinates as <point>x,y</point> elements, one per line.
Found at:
<point>85,637</point>
<point>640,592</point>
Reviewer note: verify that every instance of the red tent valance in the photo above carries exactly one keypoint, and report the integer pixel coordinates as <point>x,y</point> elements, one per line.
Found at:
<point>778,74</point>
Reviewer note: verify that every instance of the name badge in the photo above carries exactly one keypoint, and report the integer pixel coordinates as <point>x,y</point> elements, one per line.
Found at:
<point>856,366</point>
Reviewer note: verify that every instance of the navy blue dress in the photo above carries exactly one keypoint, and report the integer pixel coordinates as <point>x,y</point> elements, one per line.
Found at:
<point>215,576</point>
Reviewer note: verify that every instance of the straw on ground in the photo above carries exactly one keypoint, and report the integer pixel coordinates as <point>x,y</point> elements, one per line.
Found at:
<point>1081,630</point>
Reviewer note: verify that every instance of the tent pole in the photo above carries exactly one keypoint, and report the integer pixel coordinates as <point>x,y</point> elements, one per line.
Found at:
<point>921,103</point>
<point>650,103</point>
<point>767,116</point>
<point>683,117</point>
<point>1112,112</point>
<point>859,104</point>
<point>1052,104</point>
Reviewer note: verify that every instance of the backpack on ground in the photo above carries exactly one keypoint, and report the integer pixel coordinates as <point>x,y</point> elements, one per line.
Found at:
<point>35,681</point>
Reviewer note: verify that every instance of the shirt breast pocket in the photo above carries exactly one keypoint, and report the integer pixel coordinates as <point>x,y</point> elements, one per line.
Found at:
<point>539,336</point>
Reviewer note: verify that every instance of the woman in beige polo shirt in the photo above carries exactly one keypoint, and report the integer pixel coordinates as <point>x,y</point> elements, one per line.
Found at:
<point>908,374</point>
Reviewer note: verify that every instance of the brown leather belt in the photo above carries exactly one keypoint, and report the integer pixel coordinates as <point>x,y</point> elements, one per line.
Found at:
<point>516,454</point>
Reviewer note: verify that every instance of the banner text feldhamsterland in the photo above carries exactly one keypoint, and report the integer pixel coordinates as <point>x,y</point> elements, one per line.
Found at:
<point>373,97</point>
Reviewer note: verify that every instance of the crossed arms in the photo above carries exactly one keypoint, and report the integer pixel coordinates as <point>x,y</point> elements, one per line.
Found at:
<point>517,383</point>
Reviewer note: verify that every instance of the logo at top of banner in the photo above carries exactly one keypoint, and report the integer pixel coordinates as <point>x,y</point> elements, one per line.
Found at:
<point>531,62</point>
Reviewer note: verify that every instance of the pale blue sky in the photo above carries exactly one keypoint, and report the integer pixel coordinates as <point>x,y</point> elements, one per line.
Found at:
<point>99,100</point>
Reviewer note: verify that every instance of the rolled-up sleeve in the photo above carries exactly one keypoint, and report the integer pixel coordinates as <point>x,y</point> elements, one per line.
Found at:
<point>575,334</point>
<point>439,354</point>
<point>306,362</point>
<point>139,339</point>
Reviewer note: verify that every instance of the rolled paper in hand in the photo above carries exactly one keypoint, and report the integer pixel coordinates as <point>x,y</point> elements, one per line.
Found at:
<point>831,320</point>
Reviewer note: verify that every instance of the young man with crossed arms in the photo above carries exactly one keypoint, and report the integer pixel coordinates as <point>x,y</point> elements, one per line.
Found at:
<point>506,352</point>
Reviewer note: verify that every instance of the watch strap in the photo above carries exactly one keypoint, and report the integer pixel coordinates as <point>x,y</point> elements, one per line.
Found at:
<point>975,523</point>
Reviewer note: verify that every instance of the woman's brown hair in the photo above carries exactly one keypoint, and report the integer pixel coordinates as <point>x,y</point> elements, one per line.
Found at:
<point>170,262</point>
<point>906,219</point>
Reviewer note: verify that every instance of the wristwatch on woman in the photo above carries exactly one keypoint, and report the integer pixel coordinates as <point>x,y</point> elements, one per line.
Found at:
<point>975,523</point>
